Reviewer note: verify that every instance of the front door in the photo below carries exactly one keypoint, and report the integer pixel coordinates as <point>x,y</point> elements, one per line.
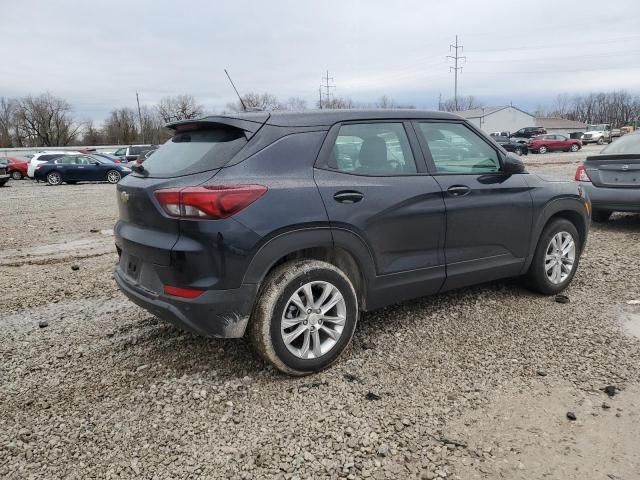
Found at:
<point>489,213</point>
<point>375,188</point>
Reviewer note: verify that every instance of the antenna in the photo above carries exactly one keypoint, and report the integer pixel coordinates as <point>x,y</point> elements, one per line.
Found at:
<point>244,107</point>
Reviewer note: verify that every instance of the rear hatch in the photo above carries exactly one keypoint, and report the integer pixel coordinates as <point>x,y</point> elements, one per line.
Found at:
<point>614,171</point>
<point>194,155</point>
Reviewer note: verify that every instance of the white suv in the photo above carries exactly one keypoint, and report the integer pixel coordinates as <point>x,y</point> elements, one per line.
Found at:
<point>43,157</point>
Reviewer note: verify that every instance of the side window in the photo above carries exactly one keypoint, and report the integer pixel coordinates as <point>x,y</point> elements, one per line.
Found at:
<point>380,149</point>
<point>65,160</point>
<point>120,152</point>
<point>456,149</point>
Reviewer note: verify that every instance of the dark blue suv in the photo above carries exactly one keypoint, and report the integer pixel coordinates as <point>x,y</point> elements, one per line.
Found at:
<point>285,226</point>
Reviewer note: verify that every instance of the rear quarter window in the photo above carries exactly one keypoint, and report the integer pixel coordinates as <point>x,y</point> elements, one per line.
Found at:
<point>195,152</point>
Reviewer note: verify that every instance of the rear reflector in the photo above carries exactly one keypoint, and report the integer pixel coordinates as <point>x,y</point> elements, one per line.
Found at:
<point>210,202</point>
<point>182,292</point>
<point>581,175</point>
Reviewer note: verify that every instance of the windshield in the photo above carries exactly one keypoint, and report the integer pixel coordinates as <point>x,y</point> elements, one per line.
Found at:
<point>626,144</point>
<point>195,151</point>
<point>600,126</point>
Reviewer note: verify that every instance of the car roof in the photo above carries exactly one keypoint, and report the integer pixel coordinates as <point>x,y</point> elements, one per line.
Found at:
<point>313,118</point>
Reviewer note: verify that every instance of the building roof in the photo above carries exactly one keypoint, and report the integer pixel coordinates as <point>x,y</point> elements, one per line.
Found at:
<point>483,112</point>
<point>556,122</point>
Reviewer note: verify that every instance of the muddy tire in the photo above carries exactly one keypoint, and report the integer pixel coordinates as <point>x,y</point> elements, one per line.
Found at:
<point>304,317</point>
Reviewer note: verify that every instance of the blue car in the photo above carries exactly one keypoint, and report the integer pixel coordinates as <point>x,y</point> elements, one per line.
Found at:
<point>80,168</point>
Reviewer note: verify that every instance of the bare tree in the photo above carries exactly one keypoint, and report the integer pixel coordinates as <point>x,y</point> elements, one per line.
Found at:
<point>91,135</point>
<point>337,102</point>
<point>152,129</point>
<point>44,120</point>
<point>7,108</point>
<point>296,104</point>
<point>388,102</point>
<point>120,128</point>
<point>464,103</point>
<point>257,101</point>
<point>180,107</point>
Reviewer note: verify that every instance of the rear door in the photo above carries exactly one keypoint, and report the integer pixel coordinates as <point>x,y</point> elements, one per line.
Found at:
<point>489,213</point>
<point>375,187</point>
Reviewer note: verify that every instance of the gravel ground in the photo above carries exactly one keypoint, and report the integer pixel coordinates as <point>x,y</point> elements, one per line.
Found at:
<point>470,384</point>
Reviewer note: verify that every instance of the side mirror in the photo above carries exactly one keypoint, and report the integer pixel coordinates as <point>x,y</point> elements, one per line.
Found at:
<point>512,164</point>
<point>96,163</point>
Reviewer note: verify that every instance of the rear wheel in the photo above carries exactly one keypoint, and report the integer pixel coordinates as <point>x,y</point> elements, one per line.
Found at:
<point>16,175</point>
<point>556,258</point>
<point>54,178</point>
<point>601,215</point>
<point>575,147</point>
<point>542,149</point>
<point>305,316</point>
<point>113,176</point>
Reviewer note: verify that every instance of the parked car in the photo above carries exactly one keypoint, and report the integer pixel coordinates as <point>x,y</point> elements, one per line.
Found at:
<point>110,157</point>
<point>289,234</point>
<point>133,152</point>
<point>140,159</point>
<point>600,134</point>
<point>17,167</point>
<point>522,135</point>
<point>511,146</point>
<point>549,143</point>
<point>43,157</point>
<point>612,178</point>
<point>500,134</point>
<point>80,168</point>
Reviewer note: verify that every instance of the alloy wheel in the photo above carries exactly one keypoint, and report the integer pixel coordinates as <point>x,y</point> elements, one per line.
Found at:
<point>542,149</point>
<point>313,320</point>
<point>54,178</point>
<point>16,175</point>
<point>574,148</point>
<point>560,257</point>
<point>113,176</point>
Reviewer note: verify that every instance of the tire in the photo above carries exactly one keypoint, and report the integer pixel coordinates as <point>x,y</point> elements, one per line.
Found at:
<point>601,141</point>
<point>601,216</point>
<point>16,175</point>
<point>518,151</point>
<point>537,277</point>
<point>113,176</point>
<point>542,149</point>
<point>575,147</point>
<point>54,178</point>
<point>276,300</point>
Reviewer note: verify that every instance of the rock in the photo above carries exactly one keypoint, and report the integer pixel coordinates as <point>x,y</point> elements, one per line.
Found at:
<point>541,373</point>
<point>610,390</point>
<point>351,378</point>
<point>372,396</point>
<point>43,324</point>
<point>571,416</point>
<point>605,405</point>
<point>75,267</point>
<point>562,299</point>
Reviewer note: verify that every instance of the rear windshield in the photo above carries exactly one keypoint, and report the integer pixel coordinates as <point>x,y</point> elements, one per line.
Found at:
<point>195,151</point>
<point>49,157</point>
<point>626,144</point>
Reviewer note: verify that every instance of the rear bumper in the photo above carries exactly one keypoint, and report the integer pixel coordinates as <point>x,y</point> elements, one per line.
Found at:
<point>215,313</point>
<point>614,199</point>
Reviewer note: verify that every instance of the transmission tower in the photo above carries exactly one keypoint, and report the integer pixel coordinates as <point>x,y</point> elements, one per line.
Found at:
<point>326,85</point>
<point>456,58</point>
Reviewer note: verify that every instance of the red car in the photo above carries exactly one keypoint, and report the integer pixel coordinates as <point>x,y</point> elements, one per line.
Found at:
<point>17,167</point>
<point>548,143</point>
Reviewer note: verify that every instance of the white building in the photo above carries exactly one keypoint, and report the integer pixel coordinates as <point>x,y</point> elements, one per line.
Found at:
<point>499,119</point>
<point>560,126</point>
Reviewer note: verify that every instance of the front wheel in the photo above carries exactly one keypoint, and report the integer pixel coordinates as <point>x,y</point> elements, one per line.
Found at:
<point>556,258</point>
<point>575,147</point>
<point>305,316</point>
<point>54,178</point>
<point>16,175</point>
<point>601,141</point>
<point>542,149</point>
<point>113,176</point>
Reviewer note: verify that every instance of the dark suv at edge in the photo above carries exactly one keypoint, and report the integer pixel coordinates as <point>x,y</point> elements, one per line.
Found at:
<point>287,225</point>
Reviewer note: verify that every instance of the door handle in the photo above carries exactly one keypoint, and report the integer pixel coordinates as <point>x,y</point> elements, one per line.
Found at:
<point>348,196</point>
<point>458,190</point>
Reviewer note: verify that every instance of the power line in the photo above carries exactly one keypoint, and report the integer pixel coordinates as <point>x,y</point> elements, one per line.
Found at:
<point>456,58</point>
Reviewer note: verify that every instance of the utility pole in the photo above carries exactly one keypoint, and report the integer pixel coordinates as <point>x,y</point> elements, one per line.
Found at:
<point>440,102</point>
<point>140,117</point>
<point>327,87</point>
<point>320,93</point>
<point>456,58</point>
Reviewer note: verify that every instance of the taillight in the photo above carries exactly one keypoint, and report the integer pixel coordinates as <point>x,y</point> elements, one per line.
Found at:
<point>581,174</point>
<point>182,292</point>
<point>208,202</point>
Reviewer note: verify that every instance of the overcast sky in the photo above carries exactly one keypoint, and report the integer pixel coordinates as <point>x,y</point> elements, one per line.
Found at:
<point>97,53</point>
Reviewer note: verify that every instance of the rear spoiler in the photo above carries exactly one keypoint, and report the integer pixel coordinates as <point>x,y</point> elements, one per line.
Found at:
<point>249,125</point>
<point>614,156</point>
